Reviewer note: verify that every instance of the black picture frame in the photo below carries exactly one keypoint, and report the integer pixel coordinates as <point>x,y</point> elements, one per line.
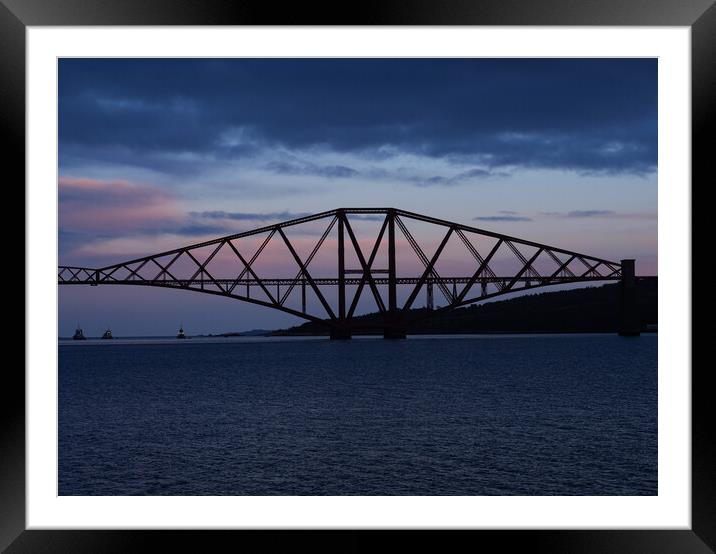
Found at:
<point>16,15</point>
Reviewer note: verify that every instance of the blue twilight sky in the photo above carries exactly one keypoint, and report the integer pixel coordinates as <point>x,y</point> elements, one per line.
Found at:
<point>159,153</point>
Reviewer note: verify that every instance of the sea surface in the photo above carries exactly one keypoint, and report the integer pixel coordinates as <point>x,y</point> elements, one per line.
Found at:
<point>448,415</point>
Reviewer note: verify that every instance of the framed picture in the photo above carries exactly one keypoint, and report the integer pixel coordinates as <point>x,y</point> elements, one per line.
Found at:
<point>353,182</point>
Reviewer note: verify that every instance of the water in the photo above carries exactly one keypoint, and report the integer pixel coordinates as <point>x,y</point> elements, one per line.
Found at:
<point>497,415</point>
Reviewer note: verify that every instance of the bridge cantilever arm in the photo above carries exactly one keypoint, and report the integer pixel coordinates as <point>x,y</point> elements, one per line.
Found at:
<point>258,231</point>
<point>445,223</point>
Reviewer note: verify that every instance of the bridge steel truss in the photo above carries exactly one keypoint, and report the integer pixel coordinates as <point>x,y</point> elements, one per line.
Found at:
<point>158,270</point>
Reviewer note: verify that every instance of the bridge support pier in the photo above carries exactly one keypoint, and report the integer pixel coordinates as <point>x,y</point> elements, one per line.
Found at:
<point>340,333</point>
<point>629,321</point>
<point>392,328</point>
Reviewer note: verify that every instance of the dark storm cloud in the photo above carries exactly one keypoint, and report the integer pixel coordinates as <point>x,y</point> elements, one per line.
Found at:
<point>588,115</point>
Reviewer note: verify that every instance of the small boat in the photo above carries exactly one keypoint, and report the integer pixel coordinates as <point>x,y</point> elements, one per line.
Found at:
<point>107,334</point>
<point>79,335</point>
<point>181,334</point>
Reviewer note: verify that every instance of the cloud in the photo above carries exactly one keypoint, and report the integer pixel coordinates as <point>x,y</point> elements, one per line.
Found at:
<point>463,176</point>
<point>590,213</point>
<point>124,216</point>
<point>241,216</point>
<point>306,168</point>
<point>112,206</point>
<point>273,216</point>
<point>595,116</point>
<point>601,214</point>
<point>514,218</point>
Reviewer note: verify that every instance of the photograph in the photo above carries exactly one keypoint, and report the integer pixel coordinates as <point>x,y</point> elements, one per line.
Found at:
<point>357,276</point>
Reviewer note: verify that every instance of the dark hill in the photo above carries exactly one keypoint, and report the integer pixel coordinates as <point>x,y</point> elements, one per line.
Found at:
<point>586,310</point>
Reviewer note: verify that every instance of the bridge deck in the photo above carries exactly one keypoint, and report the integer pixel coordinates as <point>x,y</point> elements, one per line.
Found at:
<point>324,281</point>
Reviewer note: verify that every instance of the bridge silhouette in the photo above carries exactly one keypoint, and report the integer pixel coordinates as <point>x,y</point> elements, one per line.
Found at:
<point>391,268</point>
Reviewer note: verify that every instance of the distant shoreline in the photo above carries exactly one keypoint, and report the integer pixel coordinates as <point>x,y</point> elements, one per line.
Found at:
<point>377,334</point>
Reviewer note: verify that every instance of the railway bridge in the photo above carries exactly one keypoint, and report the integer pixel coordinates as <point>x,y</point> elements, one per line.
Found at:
<point>389,265</point>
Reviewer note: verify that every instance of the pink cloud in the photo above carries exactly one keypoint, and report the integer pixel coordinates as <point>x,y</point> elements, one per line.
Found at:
<point>112,206</point>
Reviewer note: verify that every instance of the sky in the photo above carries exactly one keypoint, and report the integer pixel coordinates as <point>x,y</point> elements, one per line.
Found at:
<point>160,153</point>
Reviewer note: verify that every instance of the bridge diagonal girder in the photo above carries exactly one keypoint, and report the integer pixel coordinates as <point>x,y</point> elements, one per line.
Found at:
<point>563,268</point>
<point>247,266</point>
<point>137,269</point>
<point>77,274</point>
<point>203,277</point>
<point>193,259</point>
<point>315,250</point>
<point>428,270</point>
<point>164,270</point>
<point>475,254</point>
<point>202,266</point>
<point>592,270</point>
<point>306,274</point>
<point>366,269</point>
<point>525,268</point>
<point>365,275</point>
<point>423,258</point>
<point>483,267</point>
<point>530,270</point>
<point>108,274</point>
